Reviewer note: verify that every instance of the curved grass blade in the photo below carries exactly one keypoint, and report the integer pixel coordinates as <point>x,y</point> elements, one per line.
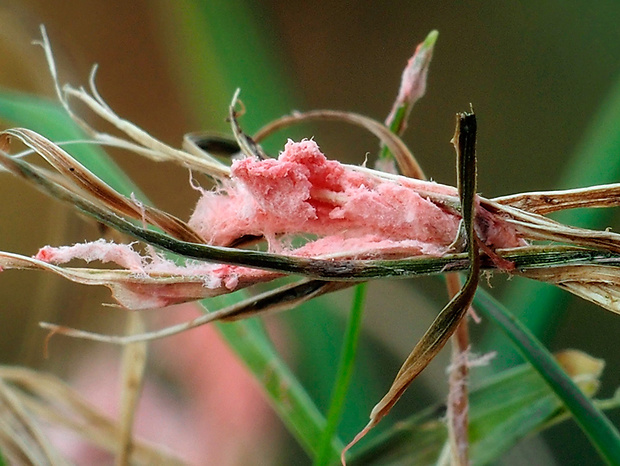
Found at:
<point>540,306</point>
<point>597,427</point>
<point>288,397</point>
<point>51,120</point>
<point>406,161</point>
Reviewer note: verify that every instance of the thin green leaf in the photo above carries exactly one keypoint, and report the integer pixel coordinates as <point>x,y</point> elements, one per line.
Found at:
<point>601,432</point>
<point>288,397</point>
<point>343,376</point>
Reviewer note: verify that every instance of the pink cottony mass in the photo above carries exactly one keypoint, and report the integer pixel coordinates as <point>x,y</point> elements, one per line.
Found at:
<point>346,212</point>
<point>355,212</point>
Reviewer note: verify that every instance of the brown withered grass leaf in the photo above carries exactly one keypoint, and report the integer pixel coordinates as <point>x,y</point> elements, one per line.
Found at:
<point>82,182</point>
<point>445,324</point>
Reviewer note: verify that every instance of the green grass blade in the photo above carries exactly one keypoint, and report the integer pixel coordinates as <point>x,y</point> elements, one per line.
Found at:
<point>343,376</point>
<point>602,433</point>
<point>504,409</point>
<point>595,161</point>
<point>286,394</point>
<point>210,62</point>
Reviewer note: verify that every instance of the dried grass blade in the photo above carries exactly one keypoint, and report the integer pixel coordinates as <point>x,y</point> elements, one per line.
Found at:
<point>596,283</point>
<point>450,317</point>
<point>545,202</point>
<point>133,367</point>
<point>536,226</point>
<point>24,438</point>
<point>413,87</point>
<point>246,144</point>
<point>86,183</point>
<point>158,150</point>
<point>279,299</point>
<point>155,149</point>
<point>132,291</point>
<point>405,159</point>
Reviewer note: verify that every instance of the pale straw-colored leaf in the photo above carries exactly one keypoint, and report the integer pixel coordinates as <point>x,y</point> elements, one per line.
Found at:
<point>537,227</point>
<point>48,398</point>
<point>22,438</point>
<point>132,371</point>
<point>596,283</point>
<point>146,144</point>
<point>279,299</point>
<point>545,202</point>
<point>130,289</point>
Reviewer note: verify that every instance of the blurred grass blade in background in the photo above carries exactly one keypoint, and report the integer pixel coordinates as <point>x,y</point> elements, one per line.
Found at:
<point>503,410</point>
<point>601,432</point>
<point>215,48</point>
<point>595,161</point>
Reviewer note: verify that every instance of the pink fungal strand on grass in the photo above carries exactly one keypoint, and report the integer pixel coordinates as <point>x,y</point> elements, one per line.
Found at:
<point>213,275</point>
<point>100,250</point>
<point>148,286</point>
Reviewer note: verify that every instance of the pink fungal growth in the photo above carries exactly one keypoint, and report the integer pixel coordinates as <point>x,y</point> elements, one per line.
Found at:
<point>100,250</point>
<point>156,282</point>
<point>303,192</point>
<point>350,213</point>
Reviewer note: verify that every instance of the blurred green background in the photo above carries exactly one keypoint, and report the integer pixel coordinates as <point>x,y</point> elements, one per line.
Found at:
<point>536,74</point>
